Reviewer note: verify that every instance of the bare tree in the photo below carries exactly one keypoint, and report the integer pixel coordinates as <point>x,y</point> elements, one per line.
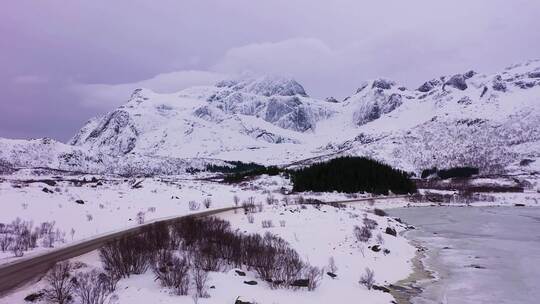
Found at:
<point>60,286</point>
<point>140,217</point>
<point>368,278</point>
<point>250,218</point>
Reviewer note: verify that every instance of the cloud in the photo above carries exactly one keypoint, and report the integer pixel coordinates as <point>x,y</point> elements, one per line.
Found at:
<point>291,56</point>
<point>107,96</point>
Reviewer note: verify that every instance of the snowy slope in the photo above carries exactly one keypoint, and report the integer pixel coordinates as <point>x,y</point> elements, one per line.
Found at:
<point>489,121</point>
<point>51,154</point>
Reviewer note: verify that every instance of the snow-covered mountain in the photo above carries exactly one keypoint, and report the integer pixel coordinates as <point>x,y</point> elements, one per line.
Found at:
<point>489,121</point>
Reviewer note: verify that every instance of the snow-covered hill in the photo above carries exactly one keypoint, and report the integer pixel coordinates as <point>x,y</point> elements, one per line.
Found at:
<point>489,121</point>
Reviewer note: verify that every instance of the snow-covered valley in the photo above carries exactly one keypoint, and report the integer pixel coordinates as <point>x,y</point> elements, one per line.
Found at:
<point>90,205</point>
<point>151,159</point>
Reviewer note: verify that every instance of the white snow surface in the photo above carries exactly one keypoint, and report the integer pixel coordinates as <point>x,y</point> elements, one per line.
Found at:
<point>315,233</point>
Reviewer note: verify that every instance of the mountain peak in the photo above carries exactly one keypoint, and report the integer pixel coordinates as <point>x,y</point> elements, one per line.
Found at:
<point>265,86</point>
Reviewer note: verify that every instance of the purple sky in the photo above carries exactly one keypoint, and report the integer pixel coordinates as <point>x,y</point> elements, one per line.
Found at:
<point>64,61</point>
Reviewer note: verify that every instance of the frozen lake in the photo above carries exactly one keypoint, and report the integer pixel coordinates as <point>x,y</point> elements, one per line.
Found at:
<point>480,254</point>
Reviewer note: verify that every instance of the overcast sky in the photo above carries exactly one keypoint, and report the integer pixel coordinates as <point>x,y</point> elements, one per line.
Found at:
<point>64,61</point>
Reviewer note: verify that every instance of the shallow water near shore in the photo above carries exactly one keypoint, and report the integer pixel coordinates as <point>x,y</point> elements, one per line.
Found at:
<point>477,254</point>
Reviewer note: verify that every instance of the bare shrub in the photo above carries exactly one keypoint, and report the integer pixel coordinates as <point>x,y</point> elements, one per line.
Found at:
<point>151,209</point>
<point>92,287</point>
<point>274,261</point>
<point>156,236</point>
<point>270,200</point>
<point>140,217</point>
<point>60,286</point>
<point>172,272</point>
<point>5,241</point>
<point>368,278</point>
<point>207,202</point>
<point>126,256</point>
<point>193,205</point>
<point>249,207</point>
<point>267,224</point>
<point>110,280</point>
<point>17,247</point>
<point>250,218</point>
<point>89,217</point>
<point>282,223</point>
<point>49,239</point>
<point>332,267</point>
<point>313,275</point>
<point>46,228</point>
<point>300,200</point>
<point>200,280</point>
<point>260,207</point>
<point>369,223</point>
<point>286,201</point>
<point>362,234</point>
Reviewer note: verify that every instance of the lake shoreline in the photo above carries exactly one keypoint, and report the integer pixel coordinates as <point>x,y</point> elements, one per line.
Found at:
<point>406,289</point>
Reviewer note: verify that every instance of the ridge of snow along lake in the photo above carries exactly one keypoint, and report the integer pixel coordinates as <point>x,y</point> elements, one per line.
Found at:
<point>478,254</point>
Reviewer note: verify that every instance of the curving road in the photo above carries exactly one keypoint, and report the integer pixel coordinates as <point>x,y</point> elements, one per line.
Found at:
<point>16,273</point>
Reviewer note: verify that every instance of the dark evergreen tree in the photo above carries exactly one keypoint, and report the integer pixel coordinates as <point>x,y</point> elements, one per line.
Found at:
<point>352,174</point>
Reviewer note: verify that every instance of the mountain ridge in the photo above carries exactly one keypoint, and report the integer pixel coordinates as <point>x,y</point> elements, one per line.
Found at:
<point>488,121</point>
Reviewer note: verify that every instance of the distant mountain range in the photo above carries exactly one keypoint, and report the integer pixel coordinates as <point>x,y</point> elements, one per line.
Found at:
<point>487,121</point>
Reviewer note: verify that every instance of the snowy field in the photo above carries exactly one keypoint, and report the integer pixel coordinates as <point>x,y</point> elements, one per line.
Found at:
<point>84,206</point>
<point>478,255</point>
<point>317,233</point>
<point>89,205</point>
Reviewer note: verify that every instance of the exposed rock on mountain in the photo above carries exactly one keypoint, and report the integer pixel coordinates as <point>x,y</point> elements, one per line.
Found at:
<point>488,121</point>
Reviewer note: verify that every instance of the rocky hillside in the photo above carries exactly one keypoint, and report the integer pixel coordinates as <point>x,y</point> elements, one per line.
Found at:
<point>489,121</point>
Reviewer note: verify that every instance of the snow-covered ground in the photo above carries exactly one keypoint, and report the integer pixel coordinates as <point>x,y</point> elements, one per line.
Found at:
<point>89,205</point>
<point>478,255</point>
<point>316,233</point>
